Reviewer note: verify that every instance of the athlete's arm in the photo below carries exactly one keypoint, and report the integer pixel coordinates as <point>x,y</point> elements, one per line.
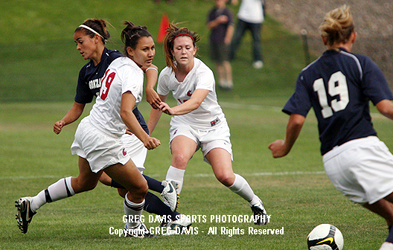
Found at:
<point>385,107</point>
<point>127,104</point>
<point>229,34</point>
<point>151,78</point>
<point>155,115</point>
<point>281,148</point>
<point>186,107</point>
<point>72,115</point>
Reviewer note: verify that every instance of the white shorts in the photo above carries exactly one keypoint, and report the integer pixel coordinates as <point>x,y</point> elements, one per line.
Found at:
<point>136,150</point>
<point>101,149</point>
<point>207,139</point>
<point>361,169</point>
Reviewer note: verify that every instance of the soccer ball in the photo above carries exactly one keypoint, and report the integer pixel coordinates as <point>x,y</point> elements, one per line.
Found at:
<point>325,237</point>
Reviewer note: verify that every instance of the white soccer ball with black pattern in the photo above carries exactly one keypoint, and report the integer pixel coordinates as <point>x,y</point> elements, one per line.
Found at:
<point>325,237</point>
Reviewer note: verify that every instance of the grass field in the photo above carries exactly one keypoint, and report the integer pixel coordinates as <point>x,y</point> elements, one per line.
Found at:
<point>38,73</point>
<point>296,192</point>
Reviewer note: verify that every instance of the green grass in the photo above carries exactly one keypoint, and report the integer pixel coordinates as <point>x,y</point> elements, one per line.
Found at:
<point>296,192</point>
<point>38,73</point>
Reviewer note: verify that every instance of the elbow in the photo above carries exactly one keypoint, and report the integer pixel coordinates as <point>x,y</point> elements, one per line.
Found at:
<point>124,114</point>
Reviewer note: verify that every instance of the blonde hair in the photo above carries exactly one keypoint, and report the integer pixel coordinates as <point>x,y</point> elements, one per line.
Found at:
<point>337,25</point>
<point>172,33</point>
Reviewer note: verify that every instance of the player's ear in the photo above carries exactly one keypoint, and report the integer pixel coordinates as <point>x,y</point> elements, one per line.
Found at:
<point>130,51</point>
<point>353,36</point>
<point>324,40</point>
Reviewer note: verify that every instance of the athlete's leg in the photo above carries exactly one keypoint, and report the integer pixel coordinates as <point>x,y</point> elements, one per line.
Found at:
<point>66,187</point>
<point>183,148</point>
<point>384,208</point>
<point>130,177</point>
<point>221,162</point>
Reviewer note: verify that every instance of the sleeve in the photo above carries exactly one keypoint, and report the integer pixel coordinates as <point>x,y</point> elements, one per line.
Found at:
<point>374,83</point>
<point>131,81</point>
<point>299,102</point>
<point>205,80</point>
<point>83,92</point>
<point>230,17</point>
<point>163,81</point>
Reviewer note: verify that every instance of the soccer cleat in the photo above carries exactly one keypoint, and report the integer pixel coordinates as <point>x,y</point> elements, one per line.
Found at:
<point>179,226</point>
<point>24,215</point>
<point>260,215</point>
<point>169,195</point>
<point>139,231</point>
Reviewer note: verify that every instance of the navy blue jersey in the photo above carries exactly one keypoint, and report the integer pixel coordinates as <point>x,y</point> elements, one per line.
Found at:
<point>89,81</point>
<point>217,35</point>
<point>339,86</point>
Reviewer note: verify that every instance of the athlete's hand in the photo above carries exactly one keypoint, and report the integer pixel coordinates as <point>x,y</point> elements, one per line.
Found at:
<point>58,126</point>
<point>164,107</point>
<point>278,148</point>
<point>152,143</point>
<point>152,98</point>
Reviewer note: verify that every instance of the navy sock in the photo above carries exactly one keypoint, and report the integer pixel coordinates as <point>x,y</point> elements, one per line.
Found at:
<point>154,184</point>
<point>116,184</point>
<point>390,237</point>
<point>154,205</point>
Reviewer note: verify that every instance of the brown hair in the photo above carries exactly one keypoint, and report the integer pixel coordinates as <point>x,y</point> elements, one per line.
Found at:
<point>131,34</point>
<point>337,25</point>
<point>172,33</point>
<point>98,25</point>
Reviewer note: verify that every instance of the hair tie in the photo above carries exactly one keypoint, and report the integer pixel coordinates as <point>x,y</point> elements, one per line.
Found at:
<point>184,34</point>
<point>88,28</point>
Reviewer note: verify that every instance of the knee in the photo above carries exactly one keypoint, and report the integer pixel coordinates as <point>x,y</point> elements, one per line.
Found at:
<point>141,189</point>
<point>180,161</point>
<point>226,179</point>
<point>84,185</point>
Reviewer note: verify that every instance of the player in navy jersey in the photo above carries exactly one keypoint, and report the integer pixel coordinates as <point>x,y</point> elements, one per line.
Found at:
<point>339,86</point>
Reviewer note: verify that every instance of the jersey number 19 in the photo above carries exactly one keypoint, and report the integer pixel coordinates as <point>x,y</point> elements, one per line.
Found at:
<point>337,86</point>
<point>106,84</point>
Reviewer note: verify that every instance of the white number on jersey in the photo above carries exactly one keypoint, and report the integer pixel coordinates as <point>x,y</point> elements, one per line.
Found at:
<point>337,85</point>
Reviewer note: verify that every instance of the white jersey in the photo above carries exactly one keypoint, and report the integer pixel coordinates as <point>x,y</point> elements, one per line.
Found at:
<point>122,75</point>
<point>251,11</point>
<point>209,112</point>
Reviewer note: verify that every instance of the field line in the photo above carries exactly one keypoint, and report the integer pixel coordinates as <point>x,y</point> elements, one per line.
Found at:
<point>187,175</point>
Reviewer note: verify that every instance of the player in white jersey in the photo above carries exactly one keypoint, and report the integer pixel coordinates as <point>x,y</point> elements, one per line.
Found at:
<point>198,121</point>
<point>98,137</point>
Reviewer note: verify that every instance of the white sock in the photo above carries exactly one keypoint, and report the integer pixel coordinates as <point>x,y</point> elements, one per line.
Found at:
<point>386,246</point>
<point>133,212</point>
<point>57,191</point>
<point>241,187</point>
<point>176,175</point>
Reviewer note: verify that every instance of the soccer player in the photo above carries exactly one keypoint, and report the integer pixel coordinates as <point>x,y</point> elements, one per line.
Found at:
<point>93,160</point>
<point>198,120</point>
<point>91,38</point>
<point>339,86</point>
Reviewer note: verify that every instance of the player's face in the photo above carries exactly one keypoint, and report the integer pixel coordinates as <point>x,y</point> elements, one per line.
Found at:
<point>144,52</point>
<point>86,45</point>
<point>183,50</point>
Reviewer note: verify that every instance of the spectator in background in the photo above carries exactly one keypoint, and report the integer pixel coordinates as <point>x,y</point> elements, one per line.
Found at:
<point>220,23</point>
<point>250,17</point>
